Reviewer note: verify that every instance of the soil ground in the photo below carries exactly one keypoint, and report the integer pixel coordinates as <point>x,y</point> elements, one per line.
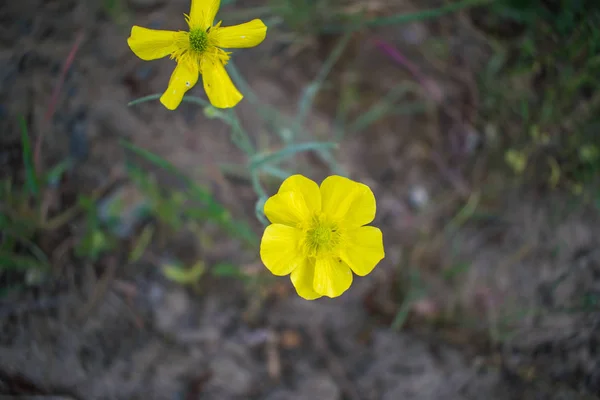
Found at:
<point>495,311</point>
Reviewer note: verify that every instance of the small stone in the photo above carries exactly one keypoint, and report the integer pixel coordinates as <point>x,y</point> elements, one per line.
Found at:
<point>472,140</point>
<point>230,375</point>
<point>418,197</point>
<point>319,386</point>
<point>169,314</point>
<point>415,33</point>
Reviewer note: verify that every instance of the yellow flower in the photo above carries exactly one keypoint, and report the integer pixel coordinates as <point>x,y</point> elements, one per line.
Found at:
<point>198,51</point>
<point>317,234</point>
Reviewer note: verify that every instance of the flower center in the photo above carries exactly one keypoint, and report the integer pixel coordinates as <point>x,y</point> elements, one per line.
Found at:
<point>198,40</point>
<point>321,237</point>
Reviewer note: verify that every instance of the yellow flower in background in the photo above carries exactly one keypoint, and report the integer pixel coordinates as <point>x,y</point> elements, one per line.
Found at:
<point>199,51</point>
<point>318,235</point>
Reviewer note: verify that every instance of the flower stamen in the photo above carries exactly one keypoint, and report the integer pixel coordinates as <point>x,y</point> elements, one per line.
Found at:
<point>198,40</point>
<point>321,237</point>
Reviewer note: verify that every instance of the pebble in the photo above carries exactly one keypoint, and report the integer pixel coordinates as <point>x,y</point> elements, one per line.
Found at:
<point>229,374</point>
<point>418,197</point>
<point>415,33</point>
<point>319,386</point>
<point>169,314</point>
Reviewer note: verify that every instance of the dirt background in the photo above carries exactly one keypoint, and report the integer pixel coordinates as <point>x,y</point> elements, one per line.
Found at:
<point>494,313</point>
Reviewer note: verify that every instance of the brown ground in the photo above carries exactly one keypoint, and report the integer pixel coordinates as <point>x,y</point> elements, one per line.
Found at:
<point>495,304</point>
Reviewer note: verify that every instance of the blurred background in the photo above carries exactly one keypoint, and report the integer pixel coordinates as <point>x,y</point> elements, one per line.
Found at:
<point>129,234</point>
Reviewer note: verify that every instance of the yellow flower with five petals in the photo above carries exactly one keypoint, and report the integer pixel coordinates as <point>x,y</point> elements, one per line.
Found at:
<point>318,235</point>
<point>199,51</point>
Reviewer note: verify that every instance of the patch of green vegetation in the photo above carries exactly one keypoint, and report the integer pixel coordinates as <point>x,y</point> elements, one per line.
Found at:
<point>311,17</point>
<point>36,239</point>
<point>24,216</point>
<point>116,10</point>
<point>541,89</point>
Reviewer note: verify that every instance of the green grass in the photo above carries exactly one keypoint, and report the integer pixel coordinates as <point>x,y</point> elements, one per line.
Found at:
<point>25,223</point>
<point>545,83</point>
<point>23,217</point>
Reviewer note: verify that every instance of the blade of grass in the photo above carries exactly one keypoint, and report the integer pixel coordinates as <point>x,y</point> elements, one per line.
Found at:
<point>215,211</point>
<point>269,113</point>
<point>465,213</point>
<point>31,178</point>
<point>308,97</point>
<point>416,291</point>
<point>33,248</point>
<point>239,136</point>
<point>379,109</point>
<point>53,176</point>
<point>198,193</point>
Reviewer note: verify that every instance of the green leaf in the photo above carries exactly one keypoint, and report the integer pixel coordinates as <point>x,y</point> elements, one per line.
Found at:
<point>260,160</point>
<point>455,270</point>
<point>53,176</point>
<point>31,179</point>
<point>184,276</point>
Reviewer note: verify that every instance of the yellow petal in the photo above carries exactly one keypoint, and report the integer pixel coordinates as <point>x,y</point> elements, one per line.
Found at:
<point>279,249</point>
<point>150,44</point>
<point>349,202</point>
<point>303,279</point>
<point>288,208</point>
<point>245,35</point>
<point>203,12</point>
<point>363,250</point>
<point>308,188</point>
<point>218,86</point>
<point>332,277</point>
<point>182,80</point>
